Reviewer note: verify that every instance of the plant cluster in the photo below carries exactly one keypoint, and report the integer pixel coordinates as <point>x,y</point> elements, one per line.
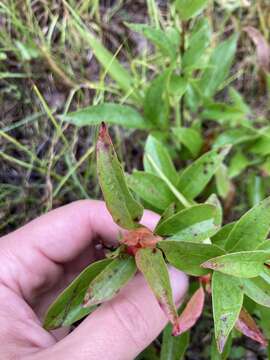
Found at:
<point>179,105</point>
<point>202,147</point>
<point>230,262</point>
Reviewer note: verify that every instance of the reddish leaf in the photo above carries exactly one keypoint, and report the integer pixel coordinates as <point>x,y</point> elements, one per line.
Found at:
<point>247,326</point>
<point>262,47</point>
<point>125,210</point>
<point>154,269</point>
<point>192,311</point>
<point>141,237</point>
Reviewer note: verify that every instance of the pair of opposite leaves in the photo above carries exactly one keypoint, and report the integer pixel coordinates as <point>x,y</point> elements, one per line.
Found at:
<point>138,244</point>
<point>138,250</point>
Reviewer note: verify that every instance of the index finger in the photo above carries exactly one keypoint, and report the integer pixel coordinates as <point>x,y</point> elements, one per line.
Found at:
<point>32,254</point>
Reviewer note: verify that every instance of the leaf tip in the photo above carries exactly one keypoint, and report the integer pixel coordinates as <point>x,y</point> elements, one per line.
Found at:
<point>221,341</point>
<point>104,141</point>
<point>103,131</point>
<point>209,265</point>
<point>224,151</point>
<point>87,300</point>
<point>176,331</point>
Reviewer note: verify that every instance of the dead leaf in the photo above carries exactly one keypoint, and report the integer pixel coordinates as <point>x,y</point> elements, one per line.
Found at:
<point>141,237</point>
<point>262,47</point>
<point>247,326</point>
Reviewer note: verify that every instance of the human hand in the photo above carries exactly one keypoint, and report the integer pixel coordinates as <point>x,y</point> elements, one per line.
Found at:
<point>40,259</point>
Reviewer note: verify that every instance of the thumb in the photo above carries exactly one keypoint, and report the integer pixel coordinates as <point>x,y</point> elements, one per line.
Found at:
<point>121,328</point>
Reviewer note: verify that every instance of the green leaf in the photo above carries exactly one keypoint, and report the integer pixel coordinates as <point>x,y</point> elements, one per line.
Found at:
<point>246,264</point>
<point>150,353</point>
<point>257,289</point>
<point>68,308</point>
<point>125,211</point>
<point>214,200</point>
<point>262,145</point>
<point>153,267</point>
<point>222,181</point>
<point>227,300</point>
<point>156,102</point>
<point>187,9</point>
<point>255,189</point>
<point>215,355</point>
<point>197,44</point>
<point>221,236</point>
<point>238,101</point>
<point>235,137</point>
<point>264,313</point>
<point>177,86</point>
<point>158,37</point>
<point>238,163</point>
<point>183,201</point>
<point>109,281</point>
<point>218,67</point>
<point>111,113</point>
<point>170,211</point>
<point>187,256</point>
<point>190,138</point>
<point>265,245</point>
<point>251,229</point>
<point>173,348</point>
<point>194,224</point>
<point>196,176</point>
<point>266,274</point>
<point>224,114</point>
<point>151,189</point>
<point>161,157</point>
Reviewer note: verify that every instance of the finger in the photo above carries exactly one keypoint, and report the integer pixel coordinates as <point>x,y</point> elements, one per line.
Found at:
<point>121,328</point>
<point>31,257</point>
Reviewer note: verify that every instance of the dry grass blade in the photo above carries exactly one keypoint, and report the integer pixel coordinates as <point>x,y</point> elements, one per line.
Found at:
<point>262,47</point>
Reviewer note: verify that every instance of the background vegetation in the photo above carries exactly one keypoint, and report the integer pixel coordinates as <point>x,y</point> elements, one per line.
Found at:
<point>51,66</point>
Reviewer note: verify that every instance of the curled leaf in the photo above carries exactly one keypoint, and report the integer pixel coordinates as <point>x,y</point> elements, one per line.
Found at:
<point>125,210</point>
<point>247,326</point>
<point>153,267</point>
<point>192,311</point>
<point>141,237</point>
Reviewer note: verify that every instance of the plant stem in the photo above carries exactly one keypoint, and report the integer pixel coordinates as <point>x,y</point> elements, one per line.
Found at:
<point>182,51</point>
<point>173,189</point>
